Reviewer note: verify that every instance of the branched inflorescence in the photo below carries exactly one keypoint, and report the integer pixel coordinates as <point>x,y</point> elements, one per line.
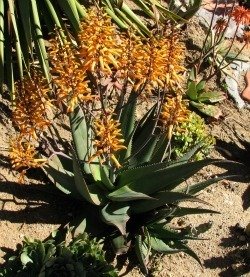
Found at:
<point>69,77</point>
<point>30,112</point>
<point>174,112</point>
<point>30,116</point>
<point>98,45</point>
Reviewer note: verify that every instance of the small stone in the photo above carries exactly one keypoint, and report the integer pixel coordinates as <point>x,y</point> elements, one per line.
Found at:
<point>242,238</point>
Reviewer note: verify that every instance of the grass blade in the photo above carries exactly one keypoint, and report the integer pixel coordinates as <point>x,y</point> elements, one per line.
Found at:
<point>1,45</point>
<point>39,41</point>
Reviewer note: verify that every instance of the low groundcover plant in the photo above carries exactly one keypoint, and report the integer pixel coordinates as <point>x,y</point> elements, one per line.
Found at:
<point>119,163</point>
<point>59,256</point>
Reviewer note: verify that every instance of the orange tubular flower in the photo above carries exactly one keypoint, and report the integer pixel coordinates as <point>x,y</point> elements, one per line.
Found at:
<point>109,139</point>
<point>98,43</point>
<point>70,80</point>
<point>241,15</point>
<point>23,156</point>
<point>173,113</point>
<point>155,63</point>
<point>220,25</point>
<point>30,112</point>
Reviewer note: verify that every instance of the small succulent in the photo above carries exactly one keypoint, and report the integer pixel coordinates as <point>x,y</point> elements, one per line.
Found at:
<point>190,133</point>
<point>204,100</point>
<point>81,256</point>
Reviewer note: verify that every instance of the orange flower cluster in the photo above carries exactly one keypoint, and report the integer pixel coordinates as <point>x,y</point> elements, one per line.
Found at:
<point>30,112</point>
<point>173,113</point>
<point>109,139</point>
<point>156,62</point>
<point>99,46</point>
<point>241,15</point>
<point>30,116</point>
<point>23,156</point>
<point>220,25</point>
<point>70,78</point>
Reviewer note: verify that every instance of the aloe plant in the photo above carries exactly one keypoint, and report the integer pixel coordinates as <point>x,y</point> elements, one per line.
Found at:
<point>138,200</point>
<point>118,164</point>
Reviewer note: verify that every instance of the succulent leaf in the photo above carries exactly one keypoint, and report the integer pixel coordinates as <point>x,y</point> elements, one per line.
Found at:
<point>90,193</point>
<point>116,214</point>
<point>162,247</point>
<point>183,211</point>
<point>152,178</point>
<point>60,176</point>
<point>161,199</point>
<point>141,251</point>
<point>126,194</point>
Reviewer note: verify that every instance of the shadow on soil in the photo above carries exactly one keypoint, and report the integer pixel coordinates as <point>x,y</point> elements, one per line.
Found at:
<point>237,262</point>
<point>34,204</point>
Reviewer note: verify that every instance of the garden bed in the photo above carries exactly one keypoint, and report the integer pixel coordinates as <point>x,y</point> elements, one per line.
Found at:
<point>32,210</point>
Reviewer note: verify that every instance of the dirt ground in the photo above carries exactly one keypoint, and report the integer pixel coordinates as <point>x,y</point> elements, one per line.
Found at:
<point>34,209</point>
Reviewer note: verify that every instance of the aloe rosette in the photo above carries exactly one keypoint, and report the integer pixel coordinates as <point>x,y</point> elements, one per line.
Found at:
<point>138,200</point>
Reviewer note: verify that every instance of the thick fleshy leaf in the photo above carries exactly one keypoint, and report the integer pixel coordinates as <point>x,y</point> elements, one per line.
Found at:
<point>133,17</point>
<point>12,12</point>
<point>62,178</point>
<point>81,138</point>
<point>159,153</point>
<point>152,178</point>
<point>141,251</point>
<point>144,130</point>
<point>161,199</point>
<point>127,120</point>
<point>166,233</point>
<point>146,152</point>
<point>121,245</point>
<point>211,96</point>
<point>183,211</point>
<point>91,193</point>
<point>192,91</point>
<point>116,214</point>
<point>104,178</point>
<point>162,247</point>
<point>38,39</point>
<point>192,9</point>
<point>207,109</point>
<point>193,189</point>
<point>70,9</point>
<point>187,156</point>
<point>24,8</point>
<point>201,85</point>
<point>126,194</point>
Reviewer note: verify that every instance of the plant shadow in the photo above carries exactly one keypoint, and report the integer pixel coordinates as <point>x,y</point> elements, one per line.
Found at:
<point>236,262</point>
<point>34,203</point>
